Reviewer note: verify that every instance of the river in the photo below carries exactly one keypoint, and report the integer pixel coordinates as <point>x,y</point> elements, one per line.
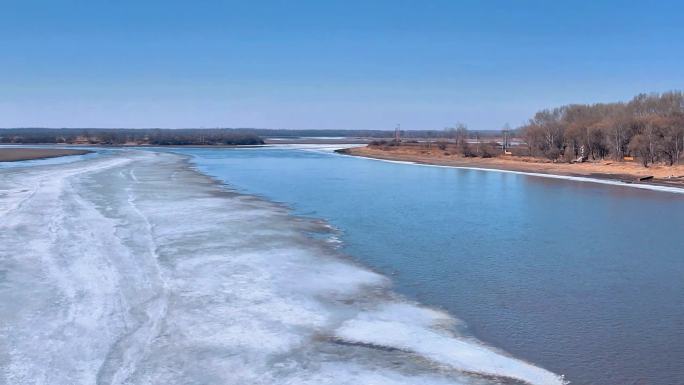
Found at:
<point>130,267</point>
<point>582,278</point>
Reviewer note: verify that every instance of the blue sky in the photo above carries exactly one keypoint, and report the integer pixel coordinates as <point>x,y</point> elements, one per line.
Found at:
<point>327,64</point>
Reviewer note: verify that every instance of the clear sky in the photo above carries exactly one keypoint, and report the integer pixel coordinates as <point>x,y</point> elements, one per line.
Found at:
<point>327,64</point>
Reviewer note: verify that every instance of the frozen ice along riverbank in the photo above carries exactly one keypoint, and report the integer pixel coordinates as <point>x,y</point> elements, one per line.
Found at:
<point>135,269</point>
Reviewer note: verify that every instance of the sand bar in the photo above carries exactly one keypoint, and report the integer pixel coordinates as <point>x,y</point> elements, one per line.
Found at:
<point>17,154</point>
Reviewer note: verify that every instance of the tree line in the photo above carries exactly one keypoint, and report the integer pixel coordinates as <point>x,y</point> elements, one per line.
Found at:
<point>650,128</point>
<point>347,133</point>
<point>154,136</point>
<point>452,140</point>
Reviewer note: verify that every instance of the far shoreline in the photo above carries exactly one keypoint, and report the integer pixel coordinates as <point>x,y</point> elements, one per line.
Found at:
<point>589,172</point>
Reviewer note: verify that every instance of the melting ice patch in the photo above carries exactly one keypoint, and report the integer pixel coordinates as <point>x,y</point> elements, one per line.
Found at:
<point>135,269</point>
<point>415,329</point>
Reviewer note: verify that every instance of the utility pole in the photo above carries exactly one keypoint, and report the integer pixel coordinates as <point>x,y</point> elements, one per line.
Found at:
<point>504,140</point>
<point>397,133</point>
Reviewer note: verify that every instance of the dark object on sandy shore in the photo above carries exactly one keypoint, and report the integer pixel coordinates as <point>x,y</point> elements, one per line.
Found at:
<point>17,154</point>
<point>643,178</point>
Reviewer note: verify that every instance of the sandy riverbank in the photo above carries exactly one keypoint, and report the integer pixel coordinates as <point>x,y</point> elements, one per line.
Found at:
<point>17,154</point>
<point>629,172</point>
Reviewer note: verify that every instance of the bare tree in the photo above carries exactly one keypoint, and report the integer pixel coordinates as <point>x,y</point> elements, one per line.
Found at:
<point>650,126</point>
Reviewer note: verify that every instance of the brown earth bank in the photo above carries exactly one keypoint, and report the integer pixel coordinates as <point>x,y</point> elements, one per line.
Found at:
<point>628,172</point>
<point>17,154</point>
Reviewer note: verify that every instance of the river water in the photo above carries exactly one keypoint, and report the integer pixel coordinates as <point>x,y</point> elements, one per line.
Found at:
<point>130,267</point>
<point>584,279</point>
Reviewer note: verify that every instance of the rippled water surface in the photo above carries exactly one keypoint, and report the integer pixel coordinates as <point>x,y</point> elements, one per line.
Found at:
<point>584,279</point>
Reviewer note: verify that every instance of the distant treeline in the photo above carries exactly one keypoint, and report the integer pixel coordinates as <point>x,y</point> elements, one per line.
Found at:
<point>649,128</point>
<point>121,136</point>
<point>285,133</point>
<point>456,140</point>
<point>380,134</point>
<point>196,136</point>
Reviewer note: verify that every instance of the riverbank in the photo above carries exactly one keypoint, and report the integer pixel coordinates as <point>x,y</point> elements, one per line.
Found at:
<point>627,172</point>
<point>18,154</point>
